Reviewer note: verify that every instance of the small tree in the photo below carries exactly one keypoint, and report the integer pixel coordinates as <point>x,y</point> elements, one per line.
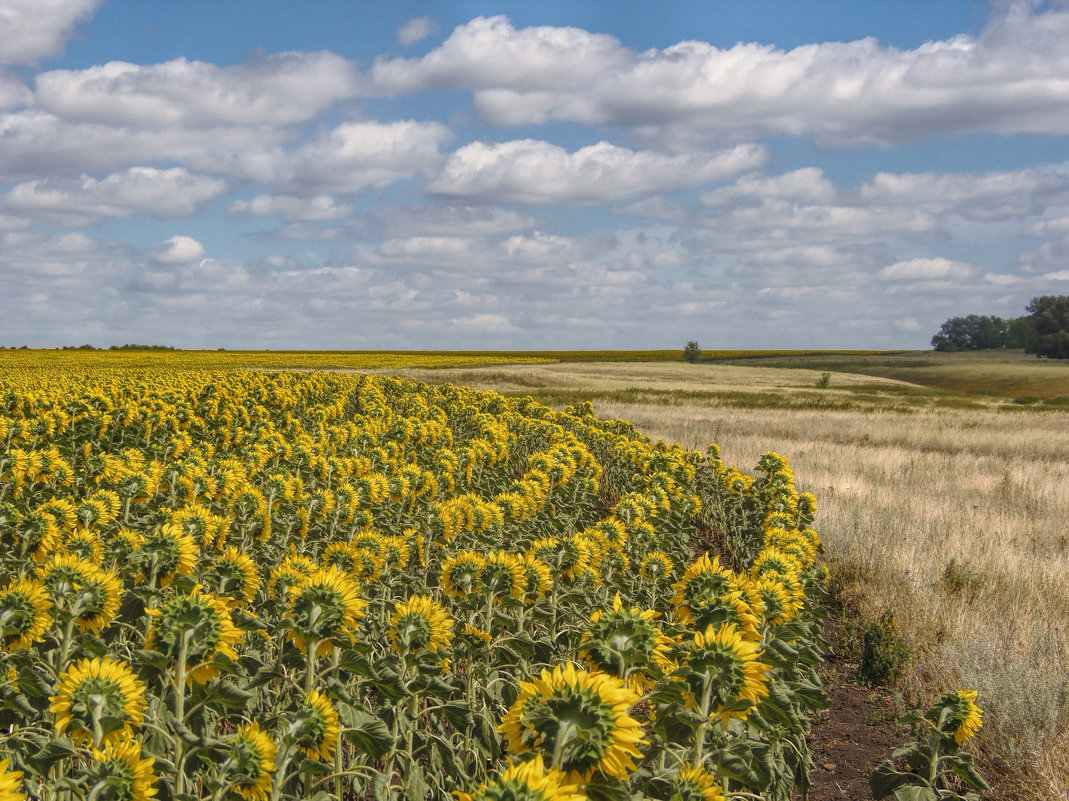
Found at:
<point>1050,322</point>
<point>692,352</point>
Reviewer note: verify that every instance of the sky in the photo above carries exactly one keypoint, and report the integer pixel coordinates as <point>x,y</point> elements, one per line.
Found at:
<point>527,176</point>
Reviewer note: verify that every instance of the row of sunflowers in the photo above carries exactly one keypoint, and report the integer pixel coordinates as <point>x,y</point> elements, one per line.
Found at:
<point>263,585</point>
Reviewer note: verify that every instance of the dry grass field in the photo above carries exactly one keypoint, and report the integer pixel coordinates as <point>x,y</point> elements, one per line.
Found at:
<point>947,507</point>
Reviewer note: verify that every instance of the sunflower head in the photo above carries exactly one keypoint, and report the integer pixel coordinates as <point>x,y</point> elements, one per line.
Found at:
<point>235,575</point>
<point>722,665</point>
<point>460,573</point>
<point>98,602</point>
<point>578,721</point>
<point>624,642</point>
<point>324,605</point>
<point>118,773</point>
<point>64,576</point>
<point>203,621</point>
<point>98,701</point>
<point>24,613</point>
<point>695,783</point>
<point>729,607</point>
<point>702,580</point>
<point>289,573</point>
<point>420,623</point>
<point>502,575</point>
<point>527,781</point>
<point>251,762</point>
<point>656,568</point>
<point>167,552</point>
<point>537,578</point>
<point>315,726</point>
<point>957,714</point>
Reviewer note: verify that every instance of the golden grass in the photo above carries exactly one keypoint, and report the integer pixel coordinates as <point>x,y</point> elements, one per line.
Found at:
<point>904,496</point>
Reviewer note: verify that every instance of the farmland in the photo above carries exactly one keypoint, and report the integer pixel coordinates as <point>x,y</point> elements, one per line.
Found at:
<point>273,584</point>
<point>940,505</point>
<point>943,498</point>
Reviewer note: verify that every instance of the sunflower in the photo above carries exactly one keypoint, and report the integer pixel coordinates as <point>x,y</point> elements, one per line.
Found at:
<point>695,783</point>
<point>9,783</point>
<point>527,781</point>
<point>538,579</point>
<point>98,701</point>
<point>367,565</point>
<point>570,556</point>
<point>702,580</point>
<point>167,552</point>
<point>235,575</point>
<point>339,555</point>
<point>119,545</point>
<point>203,621</point>
<point>289,573</point>
<point>656,567</point>
<point>475,636</point>
<point>778,600</point>
<point>251,762</point>
<point>84,544</point>
<point>772,561</point>
<point>962,714</point>
<point>396,552</point>
<point>118,773</point>
<point>729,607</point>
<point>24,613</point>
<point>371,540</point>
<point>502,575</point>
<point>460,573</point>
<point>578,720</point>
<point>324,605</point>
<point>724,664</point>
<point>626,643</point>
<point>315,726</point>
<point>420,622</point>
<point>63,577</point>
<point>98,602</point>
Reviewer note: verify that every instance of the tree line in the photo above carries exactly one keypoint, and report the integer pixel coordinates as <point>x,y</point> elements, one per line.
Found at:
<point>1044,331</point>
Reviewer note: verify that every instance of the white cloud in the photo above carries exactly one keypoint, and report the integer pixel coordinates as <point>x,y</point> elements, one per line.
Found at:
<point>936,269</point>
<point>541,173</point>
<point>310,209</point>
<point>275,90</point>
<point>1013,78</point>
<point>13,92</point>
<point>416,29</point>
<point>445,220</point>
<point>34,143</point>
<point>358,155</point>
<point>138,190</point>
<point>178,250</point>
<point>807,185</point>
<point>33,29</point>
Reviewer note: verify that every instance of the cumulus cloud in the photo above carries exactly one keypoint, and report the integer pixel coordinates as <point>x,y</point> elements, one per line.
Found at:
<point>310,209</point>
<point>937,269</point>
<point>139,190</point>
<point>279,89</point>
<point>13,92</point>
<point>449,220</point>
<point>178,249</point>
<point>541,173</point>
<point>416,29</point>
<point>357,155</point>
<point>1012,78</point>
<point>33,29</point>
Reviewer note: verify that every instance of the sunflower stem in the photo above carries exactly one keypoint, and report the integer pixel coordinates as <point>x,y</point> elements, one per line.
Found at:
<point>180,709</point>
<point>699,735</point>
<point>310,674</point>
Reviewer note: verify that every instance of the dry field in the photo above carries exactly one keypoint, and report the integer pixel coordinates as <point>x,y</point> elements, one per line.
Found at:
<point>949,510</point>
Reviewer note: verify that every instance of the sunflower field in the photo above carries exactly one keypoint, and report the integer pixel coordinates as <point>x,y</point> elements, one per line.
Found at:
<point>280,585</point>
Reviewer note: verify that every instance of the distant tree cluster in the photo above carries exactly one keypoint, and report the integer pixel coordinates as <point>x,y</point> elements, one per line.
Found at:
<point>120,347</point>
<point>1044,331</point>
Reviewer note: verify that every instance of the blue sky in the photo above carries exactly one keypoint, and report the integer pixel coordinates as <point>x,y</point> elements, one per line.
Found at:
<point>527,175</point>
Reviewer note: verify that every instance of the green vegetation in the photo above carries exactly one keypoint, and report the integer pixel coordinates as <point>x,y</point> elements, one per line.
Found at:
<point>692,352</point>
